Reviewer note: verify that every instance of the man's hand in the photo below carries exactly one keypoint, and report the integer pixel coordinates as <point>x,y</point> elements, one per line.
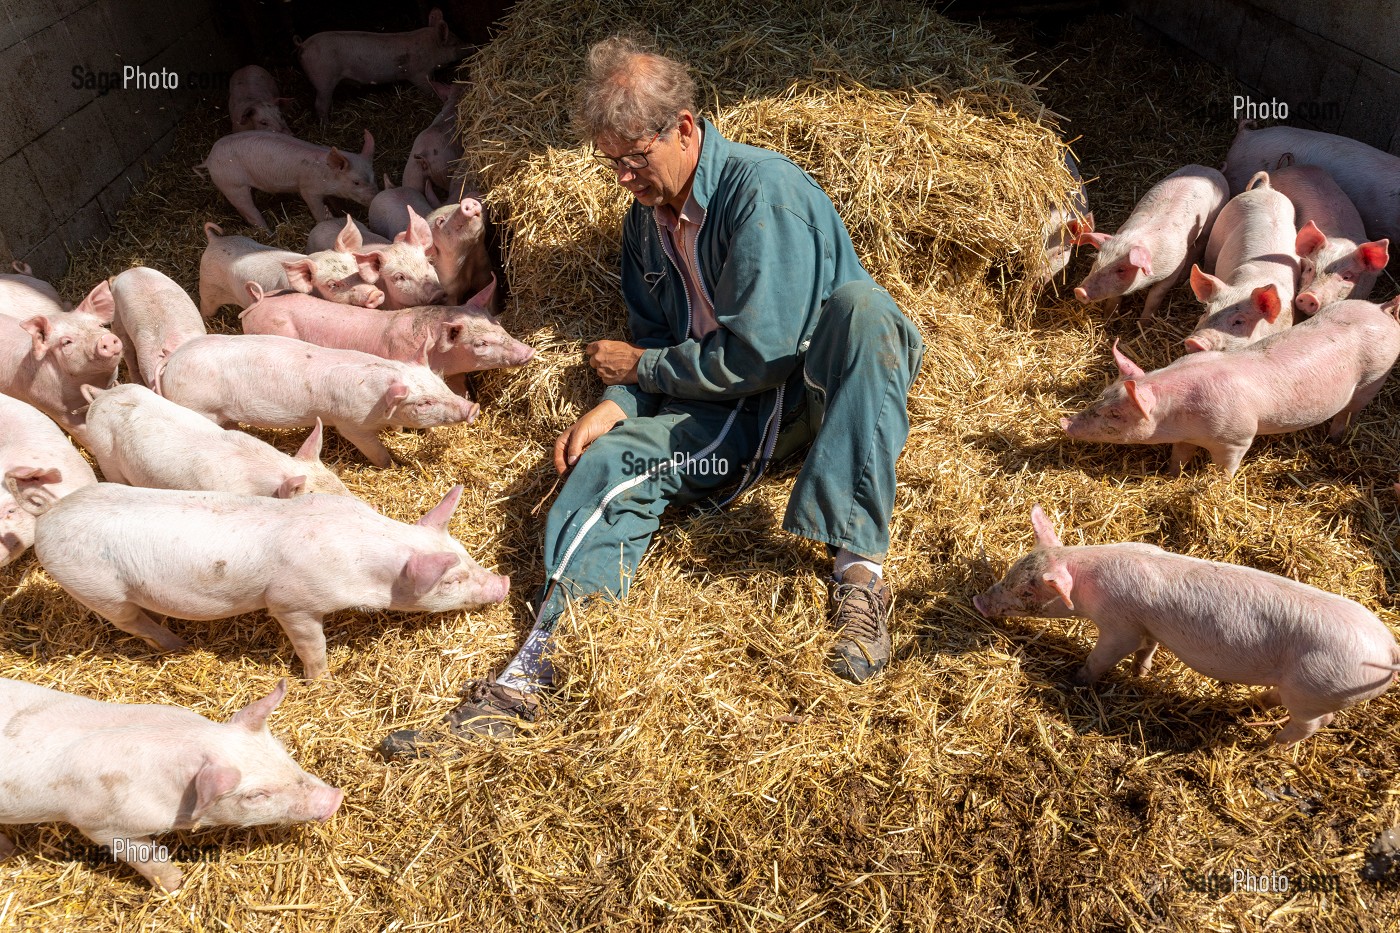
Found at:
<point>614,361</point>
<point>593,425</point>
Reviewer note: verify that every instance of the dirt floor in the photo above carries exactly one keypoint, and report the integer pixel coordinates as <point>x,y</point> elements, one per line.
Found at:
<point>698,769</point>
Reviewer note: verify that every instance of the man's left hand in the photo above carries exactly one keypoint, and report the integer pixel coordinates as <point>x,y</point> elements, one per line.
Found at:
<point>614,361</point>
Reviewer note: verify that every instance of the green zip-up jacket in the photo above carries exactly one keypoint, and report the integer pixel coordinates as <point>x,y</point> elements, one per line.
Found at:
<point>771,251</point>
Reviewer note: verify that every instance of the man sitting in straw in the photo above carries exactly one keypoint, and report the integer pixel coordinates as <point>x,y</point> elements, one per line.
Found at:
<point>756,331</point>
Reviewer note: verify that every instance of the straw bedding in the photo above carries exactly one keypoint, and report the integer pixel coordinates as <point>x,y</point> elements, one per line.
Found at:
<point>697,768</point>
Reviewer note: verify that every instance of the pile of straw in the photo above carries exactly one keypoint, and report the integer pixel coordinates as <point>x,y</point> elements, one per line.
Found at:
<point>698,769</point>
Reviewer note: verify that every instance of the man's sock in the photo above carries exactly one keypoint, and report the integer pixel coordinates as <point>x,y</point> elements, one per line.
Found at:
<point>845,559</point>
<point>529,670</point>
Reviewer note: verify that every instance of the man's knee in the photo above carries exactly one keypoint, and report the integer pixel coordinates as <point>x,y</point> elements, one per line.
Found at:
<point>858,313</point>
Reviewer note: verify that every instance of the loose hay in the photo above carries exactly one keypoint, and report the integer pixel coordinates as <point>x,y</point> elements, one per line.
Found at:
<point>698,769</point>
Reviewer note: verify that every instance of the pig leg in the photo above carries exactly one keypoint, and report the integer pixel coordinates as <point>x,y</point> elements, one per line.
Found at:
<point>1113,646</point>
<point>161,874</point>
<point>114,474</point>
<point>369,444</point>
<point>1156,294</point>
<point>7,848</point>
<point>1228,456</point>
<point>241,197</point>
<point>1110,307</point>
<point>1268,699</point>
<point>1359,400</point>
<point>317,203</point>
<point>211,298</point>
<point>1182,452</point>
<point>1142,661</point>
<point>1300,726</point>
<point>130,618</point>
<point>308,637</point>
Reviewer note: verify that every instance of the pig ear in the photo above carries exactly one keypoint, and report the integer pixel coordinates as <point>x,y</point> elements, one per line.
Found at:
<point>301,275</point>
<point>368,150</point>
<point>1374,255</point>
<point>1044,531</point>
<point>483,299</point>
<point>438,516</point>
<point>440,89</point>
<point>419,233</point>
<point>337,161</point>
<point>291,487</point>
<point>393,395</point>
<point>425,351</point>
<point>1126,367</point>
<point>430,193</point>
<point>1078,228</point>
<point>253,717</point>
<point>212,782</point>
<point>1309,240</point>
<point>247,114</point>
<point>388,182</point>
<point>21,267</point>
<point>349,239</point>
<point>369,265</point>
<point>423,571</point>
<point>1266,301</point>
<point>1204,286</point>
<point>1058,576</point>
<point>1144,399</point>
<point>310,450</point>
<point>434,17</point>
<point>40,332</point>
<point>1141,257</point>
<point>100,303</point>
<point>1092,238</point>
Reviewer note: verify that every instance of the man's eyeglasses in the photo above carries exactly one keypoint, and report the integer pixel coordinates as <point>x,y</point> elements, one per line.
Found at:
<point>632,160</point>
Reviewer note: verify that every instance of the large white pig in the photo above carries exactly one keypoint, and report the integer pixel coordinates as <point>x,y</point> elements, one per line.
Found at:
<point>126,552</point>
<point>278,382</point>
<point>141,439</point>
<point>124,773</point>
<point>1335,261</point>
<point>153,317</point>
<point>29,437</point>
<point>1250,294</point>
<point>46,359</point>
<point>1318,653</point>
<point>229,263</point>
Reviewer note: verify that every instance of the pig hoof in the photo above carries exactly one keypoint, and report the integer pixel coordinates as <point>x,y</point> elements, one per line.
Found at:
<point>7,848</point>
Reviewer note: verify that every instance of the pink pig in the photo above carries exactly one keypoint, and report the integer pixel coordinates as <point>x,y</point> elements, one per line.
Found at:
<point>229,263</point>
<point>436,148</point>
<point>253,103</point>
<point>28,437</point>
<point>123,773</point>
<point>22,295</point>
<point>460,339</point>
<point>459,252</point>
<point>153,317</point>
<point>329,58</point>
<point>1335,261</point>
<point>1370,178</point>
<point>1329,366</point>
<point>213,555</point>
<point>46,359</point>
<point>1158,243</point>
<point>282,164</point>
<point>276,382</point>
<point>141,439</point>
<point>344,237</point>
<point>1316,652</point>
<point>1256,271</point>
<point>392,208</point>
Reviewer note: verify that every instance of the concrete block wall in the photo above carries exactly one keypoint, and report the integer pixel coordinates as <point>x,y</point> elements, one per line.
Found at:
<point>1335,63</point>
<point>70,155</point>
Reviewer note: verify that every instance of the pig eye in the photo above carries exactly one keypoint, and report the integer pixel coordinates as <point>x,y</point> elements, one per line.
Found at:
<point>399,277</point>
<point>1349,276</point>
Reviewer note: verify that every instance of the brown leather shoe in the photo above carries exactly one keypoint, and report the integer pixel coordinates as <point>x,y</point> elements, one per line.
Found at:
<point>487,708</point>
<point>858,607</point>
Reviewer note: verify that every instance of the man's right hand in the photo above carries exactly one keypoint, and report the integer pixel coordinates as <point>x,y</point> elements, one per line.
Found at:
<point>593,425</point>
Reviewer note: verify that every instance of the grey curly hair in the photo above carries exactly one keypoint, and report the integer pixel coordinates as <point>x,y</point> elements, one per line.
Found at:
<point>629,91</point>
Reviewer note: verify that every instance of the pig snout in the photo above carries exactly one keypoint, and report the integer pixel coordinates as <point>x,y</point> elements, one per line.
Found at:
<point>1196,345</point>
<point>108,346</point>
<point>1065,424</point>
<point>980,606</point>
<point>1307,303</point>
<point>495,589</point>
<point>1082,294</point>
<point>325,802</point>
<point>469,411</point>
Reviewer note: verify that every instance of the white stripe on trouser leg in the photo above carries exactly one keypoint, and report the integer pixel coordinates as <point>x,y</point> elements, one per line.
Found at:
<point>529,670</point>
